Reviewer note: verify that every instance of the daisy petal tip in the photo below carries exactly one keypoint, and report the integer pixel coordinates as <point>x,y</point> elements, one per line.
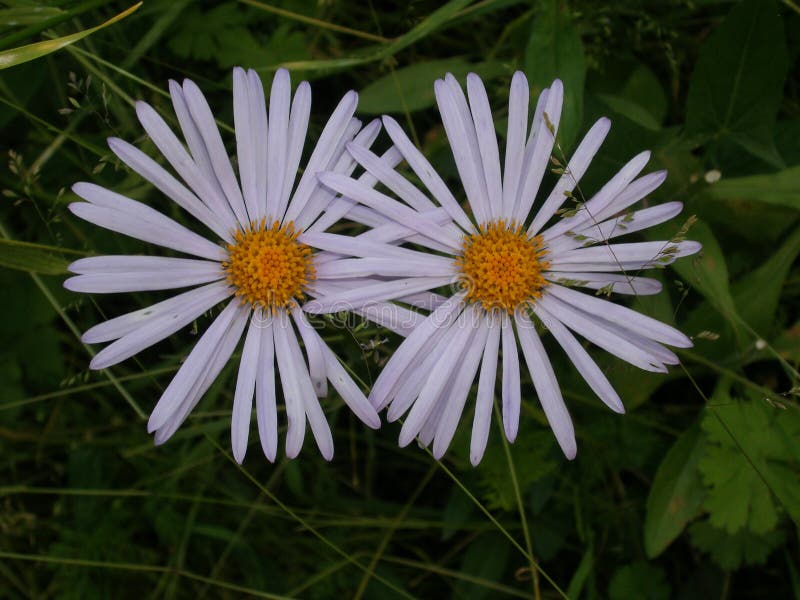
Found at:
<point>238,454</point>
<point>475,459</point>
<point>373,421</point>
<point>570,452</point>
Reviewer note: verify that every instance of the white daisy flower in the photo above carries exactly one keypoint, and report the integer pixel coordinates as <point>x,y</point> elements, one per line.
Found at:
<point>508,263</point>
<point>258,263</point>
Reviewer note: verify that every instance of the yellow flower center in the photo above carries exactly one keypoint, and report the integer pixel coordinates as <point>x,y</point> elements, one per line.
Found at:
<point>501,266</point>
<point>268,266</point>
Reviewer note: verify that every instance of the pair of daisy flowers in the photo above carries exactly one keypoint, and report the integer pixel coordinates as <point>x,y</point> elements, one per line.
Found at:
<point>272,261</point>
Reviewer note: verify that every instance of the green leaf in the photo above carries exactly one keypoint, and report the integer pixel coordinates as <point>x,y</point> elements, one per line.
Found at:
<point>581,573</point>
<point>16,56</point>
<point>37,258</point>
<point>411,88</point>
<point>782,188</point>
<point>639,580</point>
<point>747,459</point>
<point>732,551</point>
<point>737,84</point>
<point>676,494</point>
<point>630,109</point>
<point>27,15</point>
<point>555,50</point>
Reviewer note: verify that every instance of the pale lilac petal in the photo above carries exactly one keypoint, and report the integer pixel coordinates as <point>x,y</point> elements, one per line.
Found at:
<point>168,185</point>
<point>581,360</point>
<point>544,380</point>
<point>460,388</point>
<point>143,333</point>
<point>245,388</point>
<point>119,213</point>
<point>266,409</point>
<point>487,143</point>
<point>635,191</point>
<point>290,382</point>
<point>427,174</point>
<point>384,385</point>
<point>277,141</point>
<point>588,210</point>
<point>114,274</point>
<point>246,151</point>
<point>576,167</point>
<point>483,406</point>
<point>511,387</point>
<point>543,142</point>
<point>518,98</point>
<point>617,257</point>
<point>195,366</point>
<point>298,127</point>
<point>426,266</point>
<point>620,284</point>
<point>258,119</point>
<point>330,138</point>
<point>316,360</point>
<point>378,292</point>
<point>220,162</point>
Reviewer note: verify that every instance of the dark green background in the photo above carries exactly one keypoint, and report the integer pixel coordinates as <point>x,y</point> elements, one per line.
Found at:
<point>695,493</point>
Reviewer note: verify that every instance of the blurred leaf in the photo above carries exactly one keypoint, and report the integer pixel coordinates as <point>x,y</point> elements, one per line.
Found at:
<point>411,88</point>
<point>676,494</point>
<point>27,15</point>
<point>630,109</point>
<point>782,188</point>
<point>486,557</point>
<point>748,451</point>
<point>639,580</point>
<point>555,50</point>
<point>37,258</point>
<point>758,293</point>
<point>15,56</point>
<point>737,84</point>
<point>645,89</point>
<point>581,574</point>
<point>732,551</point>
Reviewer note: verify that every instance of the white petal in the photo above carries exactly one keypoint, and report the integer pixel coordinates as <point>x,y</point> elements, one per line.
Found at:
<point>298,127</point>
<point>113,274</point>
<point>277,141</point>
<point>544,380</point>
<point>124,324</point>
<point>515,143</point>
<point>511,387</point>
<point>194,367</point>
<point>601,200</point>
<point>377,292</point>
<point>266,409</point>
<point>118,213</point>
<point>290,382</point>
<point>427,174</point>
<point>635,191</point>
<point>543,141</point>
<point>245,387</point>
<point>258,119</point>
<point>389,207</point>
<point>483,406</point>
<point>438,379</point>
<point>329,139</point>
<point>582,361</point>
<point>487,143</point>
<point>589,328</point>
<point>384,385</point>
<point>573,173</point>
<point>426,266</point>
<point>220,162</point>
<point>622,316</point>
<point>316,361</point>
<point>618,257</point>
<point>620,284</point>
<point>464,145</point>
<point>316,418</point>
<point>460,390</point>
<point>245,142</point>
<point>168,185</point>
<point>156,328</point>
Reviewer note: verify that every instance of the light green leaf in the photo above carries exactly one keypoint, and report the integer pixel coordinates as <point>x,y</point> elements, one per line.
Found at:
<point>27,15</point>
<point>631,110</point>
<point>676,494</point>
<point>24,256</point>
<point>732,551</point>
<point>411,88</point>
<point>555,51</point>
<point>737,85</point>
<point>581,574</point>
<point>16,56</point>
<point>782,188</point>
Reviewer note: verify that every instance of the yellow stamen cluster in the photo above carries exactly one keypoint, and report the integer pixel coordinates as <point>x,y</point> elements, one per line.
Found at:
<point>268,266</point>
<point>501,266</point>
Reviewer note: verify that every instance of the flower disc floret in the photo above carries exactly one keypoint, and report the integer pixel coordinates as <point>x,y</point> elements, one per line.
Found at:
<point>501,266</point>
<point>268,266</point>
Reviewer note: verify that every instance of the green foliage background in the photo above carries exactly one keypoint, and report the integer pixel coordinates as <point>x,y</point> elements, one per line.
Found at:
<point>695,493</point>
